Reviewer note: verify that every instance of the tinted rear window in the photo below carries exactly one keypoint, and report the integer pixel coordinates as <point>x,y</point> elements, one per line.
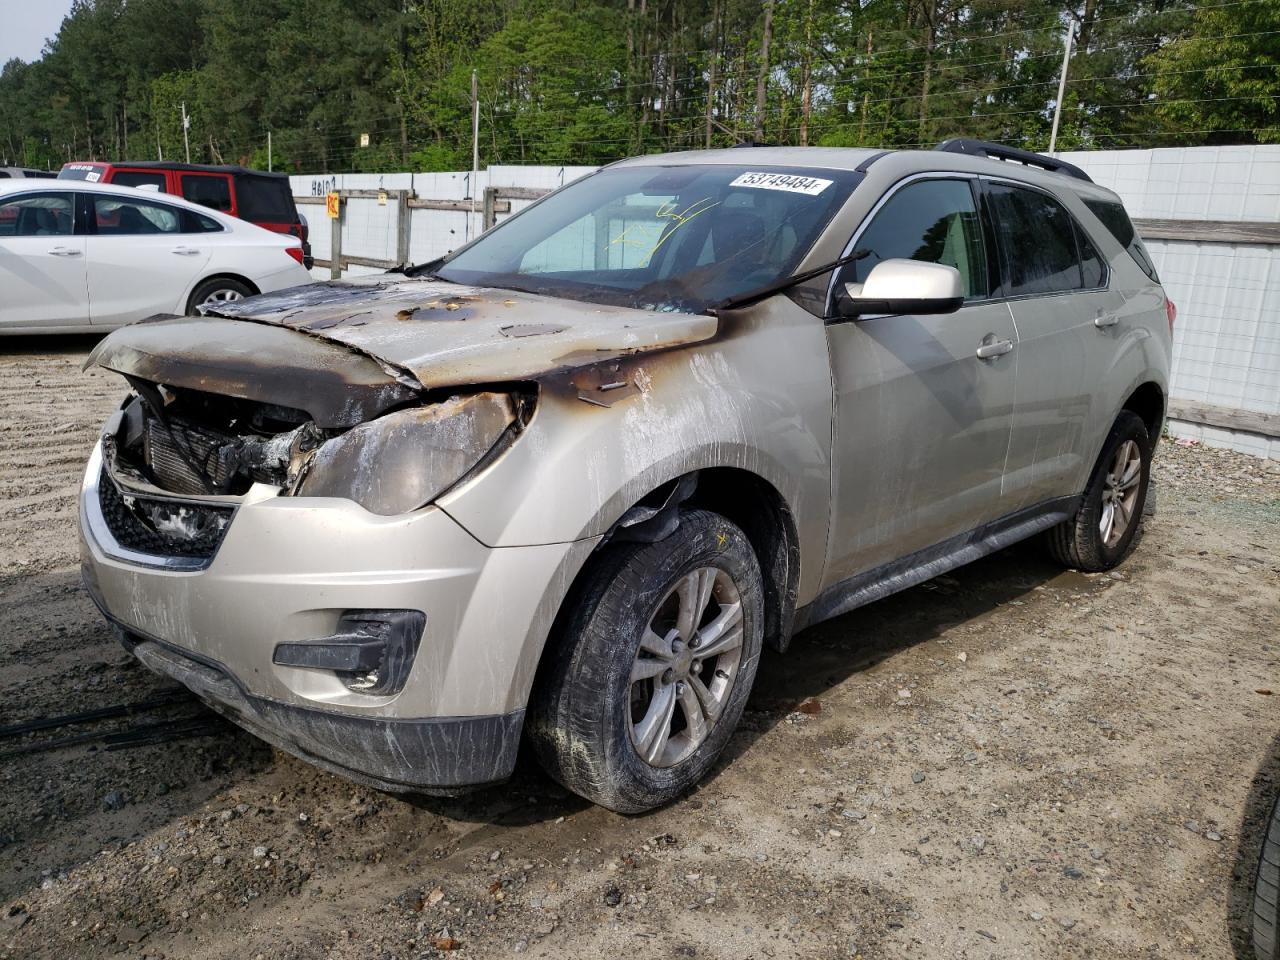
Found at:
<point>1038,237</point>
<point>4,175</point>
<point>1116,220</point>
<point>265,200</point>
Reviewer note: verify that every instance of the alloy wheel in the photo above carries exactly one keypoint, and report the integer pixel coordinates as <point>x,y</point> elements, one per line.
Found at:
<point>686,666</point>
<point>221,296</point>
<point>1120,492</point>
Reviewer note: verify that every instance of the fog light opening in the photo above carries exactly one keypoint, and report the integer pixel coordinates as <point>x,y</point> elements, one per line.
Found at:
<point>372,651</point>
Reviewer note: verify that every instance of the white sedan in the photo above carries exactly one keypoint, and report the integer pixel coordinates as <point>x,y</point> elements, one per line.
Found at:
<point>80,257</point>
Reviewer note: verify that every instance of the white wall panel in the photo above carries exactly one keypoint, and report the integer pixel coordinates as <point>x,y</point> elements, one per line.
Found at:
<point>1226,345</point>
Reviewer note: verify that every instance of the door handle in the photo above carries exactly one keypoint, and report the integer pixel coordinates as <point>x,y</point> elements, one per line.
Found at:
<point>991,349</point>
<point>186,251</point>
<point>1105,320</point>
<point>65,252</point>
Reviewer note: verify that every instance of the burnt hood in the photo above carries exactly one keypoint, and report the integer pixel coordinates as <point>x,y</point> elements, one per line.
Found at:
<point>336,387</point>
<point>446,335</point>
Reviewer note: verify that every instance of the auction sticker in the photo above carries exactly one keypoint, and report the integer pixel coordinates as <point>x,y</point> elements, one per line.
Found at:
<point>789,182</point>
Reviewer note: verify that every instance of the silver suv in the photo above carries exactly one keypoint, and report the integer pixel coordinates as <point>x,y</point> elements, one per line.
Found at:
<point>568,482</point>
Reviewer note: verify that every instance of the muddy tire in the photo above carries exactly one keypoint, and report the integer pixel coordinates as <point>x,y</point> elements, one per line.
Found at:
<point>651,666</point>
<point>217,290</point>
<point>1266,891</point>
<point>1105,526</point>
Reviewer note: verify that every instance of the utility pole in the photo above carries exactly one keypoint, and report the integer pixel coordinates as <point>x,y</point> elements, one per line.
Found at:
<point>268,151</point>
<point>186,123</point>
<point>475,142</point>
<point>1062,87</point>
<point>763,75</point>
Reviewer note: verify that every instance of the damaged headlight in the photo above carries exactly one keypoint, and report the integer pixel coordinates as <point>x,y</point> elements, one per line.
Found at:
<point>404,460</point>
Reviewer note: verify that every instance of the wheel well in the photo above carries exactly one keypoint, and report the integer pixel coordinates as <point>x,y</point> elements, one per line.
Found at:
<point>253,287</point>
<point>756,507</point>
<point>1148,403</point>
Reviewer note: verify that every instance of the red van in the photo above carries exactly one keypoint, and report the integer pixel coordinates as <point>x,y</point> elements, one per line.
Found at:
<point>261,198</point>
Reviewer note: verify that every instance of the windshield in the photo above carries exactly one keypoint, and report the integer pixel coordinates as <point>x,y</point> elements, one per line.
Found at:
<point>659,238</point>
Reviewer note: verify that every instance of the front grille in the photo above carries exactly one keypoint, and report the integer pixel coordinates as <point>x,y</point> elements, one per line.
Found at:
<point>195,529</point>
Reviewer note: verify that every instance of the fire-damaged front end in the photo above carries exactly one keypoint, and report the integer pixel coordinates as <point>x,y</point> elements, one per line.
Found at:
<point>260,521</point>
<point>347,516</point>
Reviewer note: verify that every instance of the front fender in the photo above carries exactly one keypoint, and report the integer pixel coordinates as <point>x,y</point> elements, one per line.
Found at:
<point>759,401</point>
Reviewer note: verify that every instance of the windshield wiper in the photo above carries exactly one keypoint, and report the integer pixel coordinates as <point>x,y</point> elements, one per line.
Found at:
<point>760,293</point>
<point>425,271</point>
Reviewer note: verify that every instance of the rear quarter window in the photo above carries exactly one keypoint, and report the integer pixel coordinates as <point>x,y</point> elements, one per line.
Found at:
<point>139,178</point>
<point>208,191</point>
<point>1116,220</point>
<point>265,200</point>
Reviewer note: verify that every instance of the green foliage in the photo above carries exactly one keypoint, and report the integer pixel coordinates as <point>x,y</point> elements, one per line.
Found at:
<point>1221,82</point>
<point>588,81</point>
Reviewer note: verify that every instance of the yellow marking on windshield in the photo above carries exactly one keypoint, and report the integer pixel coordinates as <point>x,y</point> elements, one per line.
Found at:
<point>669,212</point>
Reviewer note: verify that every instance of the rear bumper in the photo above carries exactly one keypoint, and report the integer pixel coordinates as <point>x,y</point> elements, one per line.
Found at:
<point>440,754</point>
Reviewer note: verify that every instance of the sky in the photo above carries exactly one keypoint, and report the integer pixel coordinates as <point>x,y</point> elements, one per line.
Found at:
<point>27,24</point>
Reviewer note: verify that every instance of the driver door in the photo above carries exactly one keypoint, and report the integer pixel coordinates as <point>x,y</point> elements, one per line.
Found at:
<point>922,423</point>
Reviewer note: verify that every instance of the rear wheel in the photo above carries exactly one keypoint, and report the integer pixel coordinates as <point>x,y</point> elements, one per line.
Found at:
<point>653,667</point>
<point>216,291</point>
<point>1105,525</point>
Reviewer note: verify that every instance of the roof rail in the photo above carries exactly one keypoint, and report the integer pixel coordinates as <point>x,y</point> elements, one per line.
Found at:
<point>997,151</point>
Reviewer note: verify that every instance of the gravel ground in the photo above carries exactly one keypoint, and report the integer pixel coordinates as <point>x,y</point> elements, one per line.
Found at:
<point>1010,761</point>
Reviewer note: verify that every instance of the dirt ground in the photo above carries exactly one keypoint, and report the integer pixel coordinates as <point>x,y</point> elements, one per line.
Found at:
<point>1011,761</point>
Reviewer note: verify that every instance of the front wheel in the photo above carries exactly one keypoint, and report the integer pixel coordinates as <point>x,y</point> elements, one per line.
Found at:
<point>653,666</point>
<point>1104,527</point>
<point>1266,891</point>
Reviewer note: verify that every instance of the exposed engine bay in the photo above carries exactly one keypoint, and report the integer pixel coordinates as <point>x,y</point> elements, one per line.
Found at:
<point>176,461</point>
<point>187,442</point>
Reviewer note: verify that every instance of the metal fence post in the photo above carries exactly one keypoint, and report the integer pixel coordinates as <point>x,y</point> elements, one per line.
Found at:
<point>404,225</point>
<point>335,241</point>
<point>490,215</point>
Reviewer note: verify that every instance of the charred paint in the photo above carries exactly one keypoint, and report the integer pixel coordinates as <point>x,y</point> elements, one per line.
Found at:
<point>336,386</point>
<point>503,335</point>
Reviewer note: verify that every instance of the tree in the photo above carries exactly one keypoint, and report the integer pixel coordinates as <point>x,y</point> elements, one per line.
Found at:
<point>1220,83</point>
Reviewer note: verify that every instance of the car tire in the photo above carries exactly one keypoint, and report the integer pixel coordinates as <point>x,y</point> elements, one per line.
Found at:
<point>1266,891</point>
<point>595,729</point>
<point>217,288</point>
<point>1085,541</point>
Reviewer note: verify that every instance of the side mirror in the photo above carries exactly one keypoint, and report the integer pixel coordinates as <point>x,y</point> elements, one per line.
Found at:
<point>903,286</point>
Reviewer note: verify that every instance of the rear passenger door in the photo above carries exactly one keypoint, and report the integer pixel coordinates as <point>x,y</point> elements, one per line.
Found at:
<point>143,256</point>
<point>922,421</point>
<point>1057,285</point>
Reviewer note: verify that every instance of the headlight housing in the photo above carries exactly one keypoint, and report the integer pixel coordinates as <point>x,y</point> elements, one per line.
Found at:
<point>404,460</point>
